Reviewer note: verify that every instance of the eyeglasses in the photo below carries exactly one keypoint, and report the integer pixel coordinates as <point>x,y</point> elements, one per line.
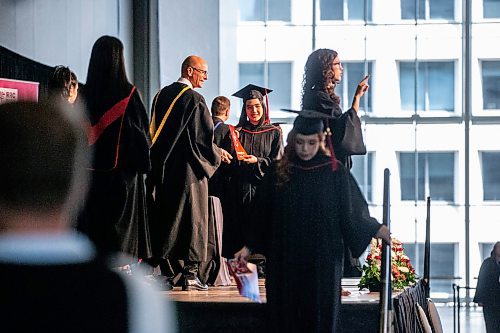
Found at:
<point>203,72</point>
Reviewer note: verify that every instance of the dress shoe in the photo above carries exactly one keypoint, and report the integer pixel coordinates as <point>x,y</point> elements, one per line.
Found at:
<point>194,284</point>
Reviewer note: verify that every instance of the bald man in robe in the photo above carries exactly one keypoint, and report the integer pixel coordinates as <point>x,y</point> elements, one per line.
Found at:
<point>183,158</point>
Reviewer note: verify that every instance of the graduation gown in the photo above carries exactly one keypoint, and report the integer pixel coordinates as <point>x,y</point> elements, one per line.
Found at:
<point>115,216</point>
<point>183,158</point>
<point>488,293</point>
<point>347,137</point>
<point>264,142</point>
<point>304,225</point>
<point>217,184</point>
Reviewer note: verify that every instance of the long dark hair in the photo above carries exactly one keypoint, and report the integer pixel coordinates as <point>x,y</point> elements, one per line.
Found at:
<point>107,80</point>
<point>283,169</point>
<point>318,74</point>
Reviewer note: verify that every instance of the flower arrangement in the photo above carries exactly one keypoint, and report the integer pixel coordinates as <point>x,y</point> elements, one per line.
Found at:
<point>403,273</point>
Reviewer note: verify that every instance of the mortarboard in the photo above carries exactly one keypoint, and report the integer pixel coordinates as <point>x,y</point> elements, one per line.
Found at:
<point>252,91</point>
<point>248,92</point>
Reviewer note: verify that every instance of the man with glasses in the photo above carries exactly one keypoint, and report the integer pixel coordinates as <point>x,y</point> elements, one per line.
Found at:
<point>183,158</point>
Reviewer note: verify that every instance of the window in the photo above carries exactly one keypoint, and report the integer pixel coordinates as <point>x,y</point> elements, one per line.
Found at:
<point>485,250</point>
<point>435,176</point>
<point>279,78</point>
<point>362,172</point>
<point>427,9</point>
<point>491,85</point>
<point>491,176</point>
<point>255,10</point>
<point>491,8</point>
<point>442,265</point>
<point>353,73</point>
<point>435,90</point>
<point>345,10</point>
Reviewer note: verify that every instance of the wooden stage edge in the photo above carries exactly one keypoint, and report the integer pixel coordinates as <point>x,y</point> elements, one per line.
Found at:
<point>223,310</point>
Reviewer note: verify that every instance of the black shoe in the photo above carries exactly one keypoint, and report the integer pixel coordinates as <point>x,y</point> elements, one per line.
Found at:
<point>194,284</point>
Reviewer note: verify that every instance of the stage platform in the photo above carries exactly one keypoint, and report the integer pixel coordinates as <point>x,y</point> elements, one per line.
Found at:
<point>222,309</point>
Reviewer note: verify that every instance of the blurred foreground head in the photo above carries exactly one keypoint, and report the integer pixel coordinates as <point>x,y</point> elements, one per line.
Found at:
<point>44,158</point>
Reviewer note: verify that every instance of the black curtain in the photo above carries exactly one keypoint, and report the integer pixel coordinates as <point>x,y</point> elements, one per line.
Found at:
<point>15,66</point>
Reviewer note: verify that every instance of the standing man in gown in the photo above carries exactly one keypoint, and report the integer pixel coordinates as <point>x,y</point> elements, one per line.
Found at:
<point>183,158</point>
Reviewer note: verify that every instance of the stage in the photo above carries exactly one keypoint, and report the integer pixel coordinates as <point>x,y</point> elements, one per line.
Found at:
<point>222,309</point>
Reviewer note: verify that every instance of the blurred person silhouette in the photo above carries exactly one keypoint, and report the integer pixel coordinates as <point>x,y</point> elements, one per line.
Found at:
<point>115,216</point>
<point>51,279</point>
<point>64,84</point>
<point>488,290</point>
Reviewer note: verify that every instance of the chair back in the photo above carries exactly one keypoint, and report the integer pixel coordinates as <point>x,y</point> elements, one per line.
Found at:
<point>437,327</point>
<point>423,319</point>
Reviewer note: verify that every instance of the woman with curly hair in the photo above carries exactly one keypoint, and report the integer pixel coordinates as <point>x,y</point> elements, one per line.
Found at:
<point>64,84</point>
<point>309,208</point>
<point>322,72</point>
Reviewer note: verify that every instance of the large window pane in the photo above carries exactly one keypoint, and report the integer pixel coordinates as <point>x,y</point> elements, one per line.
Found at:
<point>442,265</point>
<point>436,175</point>
<point>279,10</point>
<point>356,9</point>
<point>279,78</point>
<point>251,73</point>
<point>331,9</point>
<point>362,172</point>
<point>435,86</point>
<point>491,8</point>
<point>441,9</point>
<point>408,8</point>
<point>353,73</point>
<point>491,175</point>
<point>491,84</point>
<point>252,10</point>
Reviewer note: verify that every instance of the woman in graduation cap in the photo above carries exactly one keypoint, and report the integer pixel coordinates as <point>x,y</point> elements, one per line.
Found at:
<point>309,207</point>
<point>262,144</point>
<point>322,72</point>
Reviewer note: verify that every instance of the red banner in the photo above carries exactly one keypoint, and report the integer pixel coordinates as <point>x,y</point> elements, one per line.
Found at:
<point>240,151</point>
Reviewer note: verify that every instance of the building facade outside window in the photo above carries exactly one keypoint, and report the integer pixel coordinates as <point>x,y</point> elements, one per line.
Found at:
<point>428,9</point>
<point>491,8</point>
<point>490,165</point>
<point>435,88</point>
<point>340,10</point>
<point>353,73</point>
<point>434,176</point>
<point>490,71</point>
<point>362,170</point>
<point>256,10</point>
<point>278,79</point>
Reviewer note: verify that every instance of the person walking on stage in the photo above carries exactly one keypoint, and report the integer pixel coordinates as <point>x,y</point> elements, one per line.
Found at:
<point>183,158</point>
<point>309,207</point>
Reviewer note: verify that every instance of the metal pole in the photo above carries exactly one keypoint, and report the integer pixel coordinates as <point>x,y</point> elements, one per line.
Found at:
<point>386,311</point>
<point>427,251</point>
<point>458,309</point>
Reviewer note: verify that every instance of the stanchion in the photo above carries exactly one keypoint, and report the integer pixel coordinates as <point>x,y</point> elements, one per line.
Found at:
<point>386,308</point>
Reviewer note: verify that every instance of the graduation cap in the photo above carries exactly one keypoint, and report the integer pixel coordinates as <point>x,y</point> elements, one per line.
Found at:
<point>252,91</point>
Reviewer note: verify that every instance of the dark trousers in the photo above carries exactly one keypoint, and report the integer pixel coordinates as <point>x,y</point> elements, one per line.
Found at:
<point>492,318</point>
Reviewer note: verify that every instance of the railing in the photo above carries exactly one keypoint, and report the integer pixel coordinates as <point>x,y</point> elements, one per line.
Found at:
<point>456,306</point>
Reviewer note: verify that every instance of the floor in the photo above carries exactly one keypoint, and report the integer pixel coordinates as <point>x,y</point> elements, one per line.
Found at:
<point>471,319</point>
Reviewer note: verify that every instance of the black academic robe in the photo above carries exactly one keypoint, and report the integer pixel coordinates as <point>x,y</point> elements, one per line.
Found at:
<point>217,184</point>
<point>347,137</point>
<point>115,216</point>
<point>304,225</point>
<point>264,142</point>
<point>488,293</point>
<point>183,158</point>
